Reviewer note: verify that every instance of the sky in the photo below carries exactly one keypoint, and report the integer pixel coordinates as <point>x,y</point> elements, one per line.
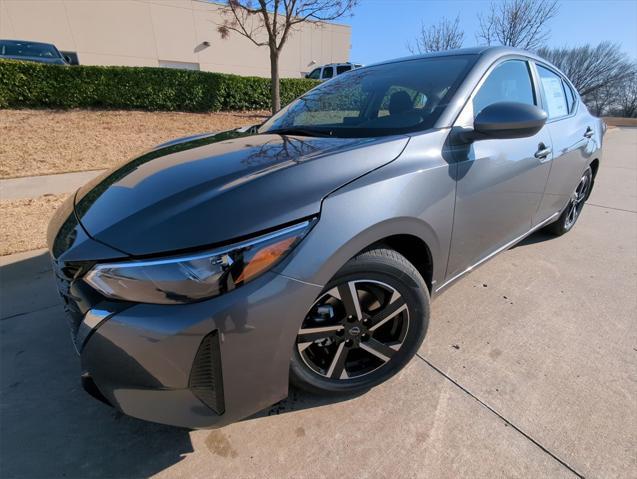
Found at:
<point>381,29</point>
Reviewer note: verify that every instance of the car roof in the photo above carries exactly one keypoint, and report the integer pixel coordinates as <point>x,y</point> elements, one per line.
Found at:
<point>487,54</point>
<point>492,52</point>
<point>337,64</point>
<point>17,42</point>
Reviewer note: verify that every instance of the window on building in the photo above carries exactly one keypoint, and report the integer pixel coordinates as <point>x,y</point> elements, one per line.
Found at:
<point>178,65</point>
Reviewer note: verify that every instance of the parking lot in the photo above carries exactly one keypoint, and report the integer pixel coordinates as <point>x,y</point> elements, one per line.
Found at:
<point>529,369</point>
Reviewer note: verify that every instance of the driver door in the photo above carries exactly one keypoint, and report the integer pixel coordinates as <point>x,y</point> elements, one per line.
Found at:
<point>499,183</point>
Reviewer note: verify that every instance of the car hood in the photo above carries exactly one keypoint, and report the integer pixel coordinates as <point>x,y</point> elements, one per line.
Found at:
<point>208,190</point>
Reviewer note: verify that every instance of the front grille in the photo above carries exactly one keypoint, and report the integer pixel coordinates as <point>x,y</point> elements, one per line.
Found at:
<point>206,381</point>
<point>64,276</point>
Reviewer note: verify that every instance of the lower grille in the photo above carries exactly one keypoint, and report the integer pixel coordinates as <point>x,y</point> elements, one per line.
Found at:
<point>206,381</point>
<point>64,275</point>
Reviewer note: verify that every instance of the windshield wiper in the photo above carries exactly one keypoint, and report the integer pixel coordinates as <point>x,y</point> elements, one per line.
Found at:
<point>300,131</point>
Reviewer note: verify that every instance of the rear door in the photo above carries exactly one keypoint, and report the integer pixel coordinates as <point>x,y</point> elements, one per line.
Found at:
<point>328,72</point>
<point>571,128</point>
<point>499,182</point>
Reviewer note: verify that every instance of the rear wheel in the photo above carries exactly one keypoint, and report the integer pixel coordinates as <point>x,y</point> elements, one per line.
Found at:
<point>364,327</point>
<point>571,213</point>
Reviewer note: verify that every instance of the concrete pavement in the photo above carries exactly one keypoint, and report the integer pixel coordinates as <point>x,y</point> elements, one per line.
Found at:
<point>34,186</point>
<point>528,370</point>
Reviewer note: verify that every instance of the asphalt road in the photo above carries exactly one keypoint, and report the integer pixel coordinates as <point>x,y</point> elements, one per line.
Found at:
<point>529,370</point>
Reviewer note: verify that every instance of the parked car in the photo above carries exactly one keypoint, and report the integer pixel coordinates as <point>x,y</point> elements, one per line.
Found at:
<point>32,52</point>
<point>330,71</point>
<point>205,274</point>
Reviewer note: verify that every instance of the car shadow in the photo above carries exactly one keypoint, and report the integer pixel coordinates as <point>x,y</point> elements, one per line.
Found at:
<point>49,426</point>
<point>535,238</point>
<point>298,400</point>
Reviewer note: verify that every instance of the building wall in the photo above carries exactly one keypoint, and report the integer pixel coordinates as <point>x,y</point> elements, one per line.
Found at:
<point>166,32</point>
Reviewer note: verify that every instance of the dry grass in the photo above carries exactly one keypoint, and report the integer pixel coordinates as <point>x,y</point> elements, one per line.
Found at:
<point>40,142</point>
<point>23,222</point>
<point>617,121</point>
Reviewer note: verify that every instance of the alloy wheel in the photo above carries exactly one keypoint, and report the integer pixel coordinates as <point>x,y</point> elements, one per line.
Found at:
<point>353,329</point>
<point>577,200</point>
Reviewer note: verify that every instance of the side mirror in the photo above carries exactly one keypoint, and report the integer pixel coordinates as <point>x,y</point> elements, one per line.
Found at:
<point>505,120</point>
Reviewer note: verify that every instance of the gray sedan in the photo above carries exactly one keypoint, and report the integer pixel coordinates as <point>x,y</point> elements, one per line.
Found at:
<point>204,276</point>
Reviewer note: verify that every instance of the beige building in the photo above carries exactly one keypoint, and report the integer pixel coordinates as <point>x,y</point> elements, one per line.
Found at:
<point>169,33</point>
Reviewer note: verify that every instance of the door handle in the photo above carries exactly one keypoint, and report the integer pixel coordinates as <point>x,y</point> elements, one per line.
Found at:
<point>589,132</point>
<point>543,152</point>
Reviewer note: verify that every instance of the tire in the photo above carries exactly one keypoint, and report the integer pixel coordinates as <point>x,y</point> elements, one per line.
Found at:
<point>375,341</point>
<point>574,207</point>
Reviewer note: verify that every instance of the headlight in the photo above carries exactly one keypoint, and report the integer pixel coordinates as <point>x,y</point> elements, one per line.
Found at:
<point>184,279</point>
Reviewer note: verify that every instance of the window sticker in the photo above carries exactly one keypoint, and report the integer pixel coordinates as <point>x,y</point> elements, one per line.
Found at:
<point>555,99</point>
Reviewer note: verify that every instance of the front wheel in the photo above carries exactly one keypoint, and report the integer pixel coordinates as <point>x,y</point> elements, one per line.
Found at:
<point>368,322</point>
<point>571,213</point>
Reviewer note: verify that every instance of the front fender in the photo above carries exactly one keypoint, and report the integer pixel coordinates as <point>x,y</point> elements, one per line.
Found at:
<point>411,196</point>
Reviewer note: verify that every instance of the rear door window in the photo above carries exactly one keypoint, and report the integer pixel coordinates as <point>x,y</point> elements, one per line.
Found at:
<point>553,93</point>
<point>509,81</point>
<point>342,69</point>
<point>328,72</point>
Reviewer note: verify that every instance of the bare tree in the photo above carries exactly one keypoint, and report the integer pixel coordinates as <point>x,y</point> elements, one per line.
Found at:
<point>517,23</point>
<point>444,35</point>
<point>617,98</point>
<point>270,22</point>
<point>588,67</point>
<point>626,99</point>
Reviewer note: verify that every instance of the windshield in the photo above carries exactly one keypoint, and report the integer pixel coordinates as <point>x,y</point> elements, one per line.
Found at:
<point>381,100</point>
<point>24,49</point>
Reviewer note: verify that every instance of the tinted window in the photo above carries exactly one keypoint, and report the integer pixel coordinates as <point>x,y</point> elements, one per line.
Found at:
<point>328,72</point>
<point>316,74</point>
<point>379,100</point>
<point>509,81</point>
<point>25,49</point>
<point>343,69</point>
<point>553,93</point>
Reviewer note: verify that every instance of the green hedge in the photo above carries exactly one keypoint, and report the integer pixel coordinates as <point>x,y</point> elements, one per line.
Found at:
<point>36,85</point>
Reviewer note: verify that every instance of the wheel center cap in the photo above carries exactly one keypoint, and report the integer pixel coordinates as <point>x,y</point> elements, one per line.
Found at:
<point>355,330</point>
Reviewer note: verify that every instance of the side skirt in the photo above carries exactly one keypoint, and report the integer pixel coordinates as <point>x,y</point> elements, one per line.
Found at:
<point>538,226</point>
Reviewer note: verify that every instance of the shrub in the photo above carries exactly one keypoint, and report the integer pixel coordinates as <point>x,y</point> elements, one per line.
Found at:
<point>37,85</point>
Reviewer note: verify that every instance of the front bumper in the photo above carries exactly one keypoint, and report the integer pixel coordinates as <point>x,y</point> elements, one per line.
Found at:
<point>141,359</point>
<point>150,361</point>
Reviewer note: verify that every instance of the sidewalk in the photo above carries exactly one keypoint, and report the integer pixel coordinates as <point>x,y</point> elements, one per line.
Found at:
<point>34,186</point>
